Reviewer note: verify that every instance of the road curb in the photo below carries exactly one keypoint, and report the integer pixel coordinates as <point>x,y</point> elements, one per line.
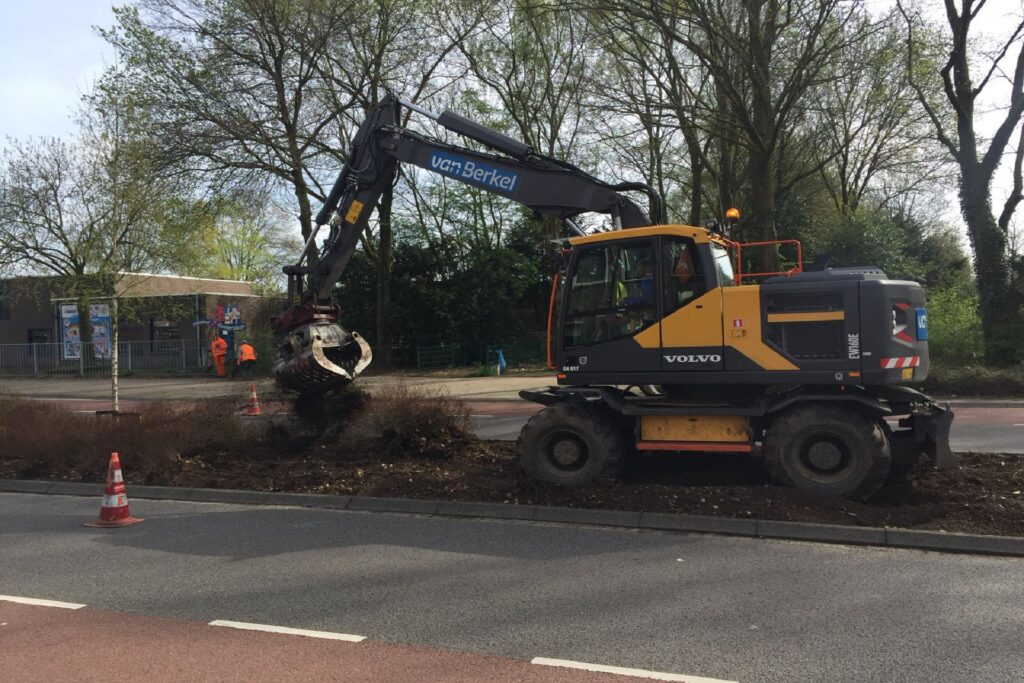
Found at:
<point>918,539</point>
<point>833,533</point>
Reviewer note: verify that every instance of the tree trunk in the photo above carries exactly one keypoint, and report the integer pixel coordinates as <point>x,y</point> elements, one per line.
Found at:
<point>726,159</point>
<point>305,211</point>
<point>550,227</point>
<point>696,179</point>
<point>726,176</point>
<point>997,305</point>
<point>382,347</point>
<point>762,206</point>
<point>84,321</point>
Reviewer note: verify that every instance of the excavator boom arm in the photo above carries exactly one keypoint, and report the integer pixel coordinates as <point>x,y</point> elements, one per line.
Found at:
<point>544,184</point>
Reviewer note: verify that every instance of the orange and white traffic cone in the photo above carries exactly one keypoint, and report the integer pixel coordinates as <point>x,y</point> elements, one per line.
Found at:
<point>114,509</point>
<point>253,407</point>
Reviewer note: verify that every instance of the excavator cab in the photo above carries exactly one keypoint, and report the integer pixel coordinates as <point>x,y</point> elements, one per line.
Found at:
<point>602,332</point>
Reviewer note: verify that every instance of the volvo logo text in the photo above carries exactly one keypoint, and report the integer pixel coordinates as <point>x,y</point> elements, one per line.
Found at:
<point>695,358</point>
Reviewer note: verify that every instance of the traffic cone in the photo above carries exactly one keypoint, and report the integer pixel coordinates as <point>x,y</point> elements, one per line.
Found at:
<point>253,407</point>
<point>114,509</point>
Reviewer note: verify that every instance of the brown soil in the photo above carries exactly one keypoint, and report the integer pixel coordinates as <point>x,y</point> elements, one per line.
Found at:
<point>408,446</point>
<point>984,495</point>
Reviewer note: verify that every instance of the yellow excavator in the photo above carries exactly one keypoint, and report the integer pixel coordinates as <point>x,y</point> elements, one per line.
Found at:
<point>660,340</point>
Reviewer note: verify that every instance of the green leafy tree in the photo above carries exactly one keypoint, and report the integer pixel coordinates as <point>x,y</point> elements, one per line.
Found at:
<point>244,238</point>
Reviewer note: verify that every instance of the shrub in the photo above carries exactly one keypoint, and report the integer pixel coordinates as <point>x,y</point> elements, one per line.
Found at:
<point>400,422</point>
<point>483,370</point>
<point>976,380</point>
<point>44,439</point>
<point>954,327</point>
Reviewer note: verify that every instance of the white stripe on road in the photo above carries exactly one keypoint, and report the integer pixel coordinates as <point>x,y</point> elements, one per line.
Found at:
<point>41,603</point>
<point>327,635</point>
<point>636,673</point>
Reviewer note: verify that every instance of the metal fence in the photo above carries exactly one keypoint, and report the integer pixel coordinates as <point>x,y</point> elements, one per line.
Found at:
<point>517,353</point>
<point>177,356</point>
<point>443,356</point>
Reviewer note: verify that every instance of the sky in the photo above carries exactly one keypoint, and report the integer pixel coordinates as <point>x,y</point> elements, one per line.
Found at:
<point>49,56</point>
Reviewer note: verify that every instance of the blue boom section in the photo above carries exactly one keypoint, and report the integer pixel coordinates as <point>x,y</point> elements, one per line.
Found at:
<point>474,172</point>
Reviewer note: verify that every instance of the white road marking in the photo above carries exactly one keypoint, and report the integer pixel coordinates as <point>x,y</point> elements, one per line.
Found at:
<point>41,603</point>
<point>476,415</point>
<point>327,635</point>
<point>622,671</point>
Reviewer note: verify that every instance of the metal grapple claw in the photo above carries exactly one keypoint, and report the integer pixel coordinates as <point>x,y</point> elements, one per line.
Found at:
<point>320,356</point>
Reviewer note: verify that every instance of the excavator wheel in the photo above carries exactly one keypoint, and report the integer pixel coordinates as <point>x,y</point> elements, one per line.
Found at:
<point>571,444</point>
<point>830,450</point>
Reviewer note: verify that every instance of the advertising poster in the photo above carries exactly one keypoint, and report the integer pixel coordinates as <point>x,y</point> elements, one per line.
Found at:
<point>70,333</point>
<point>99,317</point>
<point>228,317</point>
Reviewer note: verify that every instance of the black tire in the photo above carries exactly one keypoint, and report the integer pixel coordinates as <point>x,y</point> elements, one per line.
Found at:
<point>829,450</point>
<point>571,444</point>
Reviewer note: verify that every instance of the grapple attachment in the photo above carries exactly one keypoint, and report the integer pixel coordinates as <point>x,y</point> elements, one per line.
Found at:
<point>320,356</point>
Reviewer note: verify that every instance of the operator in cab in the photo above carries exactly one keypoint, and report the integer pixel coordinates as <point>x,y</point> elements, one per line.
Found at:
<point>683,272</point>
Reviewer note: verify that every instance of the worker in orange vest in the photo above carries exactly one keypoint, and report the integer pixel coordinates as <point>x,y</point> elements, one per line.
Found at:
<point>218,350</point>
<point>246,359</point>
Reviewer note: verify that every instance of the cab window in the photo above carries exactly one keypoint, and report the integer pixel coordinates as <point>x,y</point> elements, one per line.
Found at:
<point>723,265</point>
<point>682,274</point>
<point>612,293</point>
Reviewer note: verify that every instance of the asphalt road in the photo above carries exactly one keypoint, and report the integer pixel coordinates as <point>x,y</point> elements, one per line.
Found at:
<point>727,608</point>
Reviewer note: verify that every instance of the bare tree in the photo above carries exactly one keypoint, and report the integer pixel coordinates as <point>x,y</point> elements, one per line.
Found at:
<point>89,206</point>
<point>399,46</point>
<point>963,89</point>
<point>647,84</point>
<point>235,87</point>
<point>532,59</point>
<point>85,212</point>
<point>53,216</point>
<point>873,130</point>
<point>764,56</point>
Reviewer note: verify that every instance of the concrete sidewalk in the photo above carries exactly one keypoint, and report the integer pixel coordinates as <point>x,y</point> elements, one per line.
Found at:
<point>198,388</point>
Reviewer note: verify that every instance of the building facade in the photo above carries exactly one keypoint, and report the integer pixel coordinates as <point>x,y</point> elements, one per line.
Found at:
<point>164,321</point>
